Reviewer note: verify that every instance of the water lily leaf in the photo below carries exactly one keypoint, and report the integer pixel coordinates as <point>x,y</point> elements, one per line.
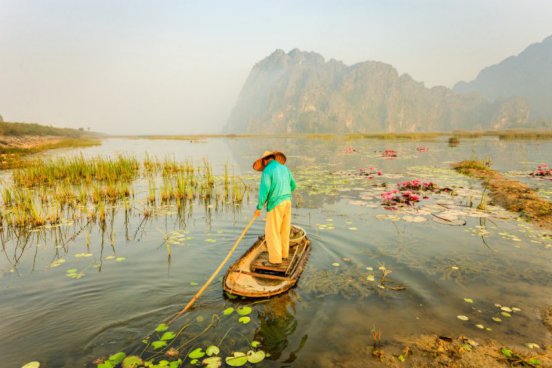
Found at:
<point>506,314</point>
<point>132,361</point>
<point>175,363</point>
<point>370,278</point>
<point>158,344</point>
<point>244,311</point>
<point>117,358</point>
<point>255,356</point>
<point>212,350</point>
<point>237,359</point>
<point>245,320</point>
<point>57,263</point>
<point>335,264</point>
<point>506,352</point>
<point>33,364</point>
<point>106,364</point>
<point>193,283</point>
<point>532,345</point>
<point>497,319</point>
<point>480,326</point>
<point>109,258</point>
<point>120,259</point>
<point>231,296</point>
<point>462,318</point>
<point>212,362</point>
<point>534,361</point>
<point>194,361</point>
<point>255,344</point>
<point>169,335</point>
<point>468,300</point>
<point>162,327</point>
<point>506,309</point>
<point>514,309</point>
<point>228,311</point>
<point>197,354</point>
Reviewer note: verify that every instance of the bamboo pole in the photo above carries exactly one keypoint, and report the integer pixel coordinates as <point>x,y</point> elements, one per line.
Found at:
<point>198,294</point>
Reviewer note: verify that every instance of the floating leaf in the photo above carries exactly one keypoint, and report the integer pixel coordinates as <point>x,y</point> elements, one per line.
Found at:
<point>169,335</point>
<point>514,309</point>
<point>194,361</point>
<point>162,327</point>
<point>462,318</point>
<point>506,352</point>
<point>255,344</point>
<point>534,361</point>
<point>370,278</point>
<point>175,363</point>
<point>158,344</point>
<point>244,311</point>
<point>506,309</point>
<point>532,345</point>
<point>255,356</point>
<point>132,361</point>
<point>468,300</point>
<point>506,314</point>
<point>245,320</point>
<point>212,350</point>
<point>33,364</point>
<point>106,364</point>
<point>480,326</point>
<point>237,359</point>
<point>231,296</point>
<point>212,362</point>
<point>57,263</point>
<point>120,259</point>
<point>110,257</point>
<point>196,354</point>
<point>193,283</point>
<point>117,358</point>
<point>228,311</point>
<point>497,319</point>
<point>335,264</point>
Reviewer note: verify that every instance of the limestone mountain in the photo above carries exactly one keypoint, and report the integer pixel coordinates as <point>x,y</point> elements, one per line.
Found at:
<point>526,77</point>
<point>302,92</point>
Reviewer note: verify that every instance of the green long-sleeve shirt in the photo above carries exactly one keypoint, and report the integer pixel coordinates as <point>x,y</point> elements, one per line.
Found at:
<point>277,183</point>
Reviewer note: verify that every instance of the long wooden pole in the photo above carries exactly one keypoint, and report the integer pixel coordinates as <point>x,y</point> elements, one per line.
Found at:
<point>198,294</point>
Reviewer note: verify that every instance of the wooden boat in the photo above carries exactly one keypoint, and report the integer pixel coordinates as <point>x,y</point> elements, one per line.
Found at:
<point>252,276</point>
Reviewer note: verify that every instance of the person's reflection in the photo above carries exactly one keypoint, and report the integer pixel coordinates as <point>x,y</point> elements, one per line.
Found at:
<point>277,323</point>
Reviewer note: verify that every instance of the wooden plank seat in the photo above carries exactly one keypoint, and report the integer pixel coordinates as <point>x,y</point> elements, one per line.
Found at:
<point>262,265</point>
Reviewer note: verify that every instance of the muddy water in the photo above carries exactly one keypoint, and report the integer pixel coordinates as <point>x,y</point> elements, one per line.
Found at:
<point>438,271</point>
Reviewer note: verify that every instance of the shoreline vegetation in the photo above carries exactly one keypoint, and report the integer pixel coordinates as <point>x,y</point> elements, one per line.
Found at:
<point>510,194</point>
<point>500,134</point>
<point>22,139</point>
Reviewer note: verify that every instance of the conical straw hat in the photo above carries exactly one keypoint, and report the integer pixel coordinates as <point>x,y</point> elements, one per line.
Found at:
<point>280,157</point>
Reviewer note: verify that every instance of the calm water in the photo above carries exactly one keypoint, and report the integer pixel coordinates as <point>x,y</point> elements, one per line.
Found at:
<point>130,284</point>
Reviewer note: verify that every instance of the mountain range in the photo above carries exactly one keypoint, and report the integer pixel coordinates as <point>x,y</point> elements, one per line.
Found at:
<point>301,92</point>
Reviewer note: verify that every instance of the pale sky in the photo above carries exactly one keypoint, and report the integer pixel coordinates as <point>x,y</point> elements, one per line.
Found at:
<point>176,67</point>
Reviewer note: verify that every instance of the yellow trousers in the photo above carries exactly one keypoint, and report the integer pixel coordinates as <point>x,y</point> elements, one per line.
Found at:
<point>278,222</point>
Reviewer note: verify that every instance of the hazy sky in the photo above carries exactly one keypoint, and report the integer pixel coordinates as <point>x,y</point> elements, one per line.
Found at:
<point>147,67</point>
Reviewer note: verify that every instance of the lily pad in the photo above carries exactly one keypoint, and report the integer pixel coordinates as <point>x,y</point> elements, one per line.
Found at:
<point>162,327</point>
<point>255,356</point>
<point>335,264</point>
<point>117,358</point>
<point>462,318</point>
<point>497,319</point>
<point>506,309</point>
<point>132,361</point>
<point>212,362</point>
<point>212,350</point>
<point>196,354</point>
<point>169,335</point>
<point>255,344</point>
<point>245,320</point>
<point>370,278</point>
<point>532,345</point>
<point>228,311</point>
<point>244,311</point>
<point>506,314</point>
<point>33,364</point>
<point>237,359</point>
<point>468,300</point>
<point>158,344</point>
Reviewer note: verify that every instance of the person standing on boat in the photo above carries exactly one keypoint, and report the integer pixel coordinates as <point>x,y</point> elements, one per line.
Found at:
<point>276,186</point>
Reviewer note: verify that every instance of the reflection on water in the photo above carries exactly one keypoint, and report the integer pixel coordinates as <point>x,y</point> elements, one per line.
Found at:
<point>134,271</point>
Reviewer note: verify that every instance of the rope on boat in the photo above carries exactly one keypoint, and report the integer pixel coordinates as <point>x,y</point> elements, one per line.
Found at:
<point>198,294</point>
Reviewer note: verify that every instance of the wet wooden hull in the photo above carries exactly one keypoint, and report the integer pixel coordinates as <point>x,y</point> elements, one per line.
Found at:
<point>249,276</point>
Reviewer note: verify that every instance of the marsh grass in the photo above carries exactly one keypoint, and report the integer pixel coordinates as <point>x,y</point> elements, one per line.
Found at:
<point>82,189</point>
<point>510,194</point>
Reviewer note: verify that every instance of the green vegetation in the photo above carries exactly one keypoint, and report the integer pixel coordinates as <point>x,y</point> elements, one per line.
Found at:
<point>21,139</point>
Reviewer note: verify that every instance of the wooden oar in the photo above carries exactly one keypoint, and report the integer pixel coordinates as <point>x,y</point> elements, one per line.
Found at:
<point>198,294</point>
